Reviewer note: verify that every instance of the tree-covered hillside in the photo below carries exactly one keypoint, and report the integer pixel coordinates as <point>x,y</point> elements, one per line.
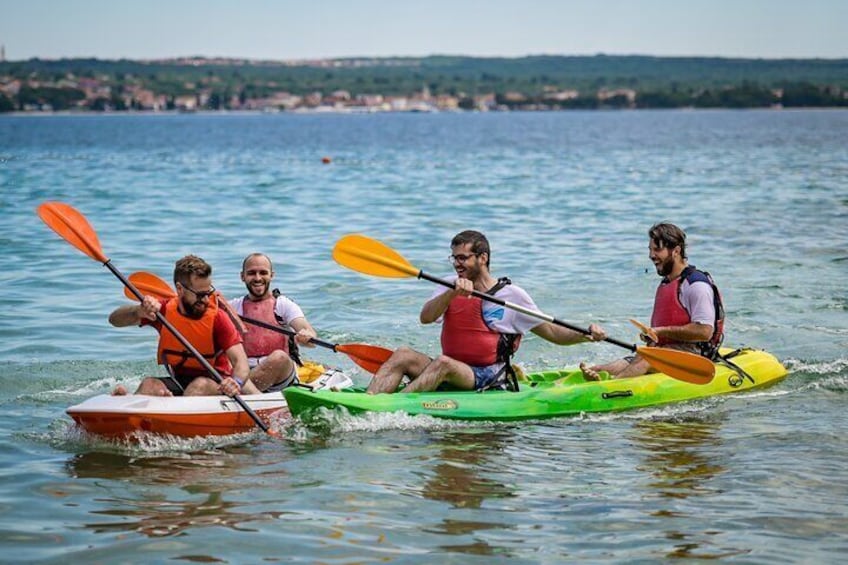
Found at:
<point>658,80</point>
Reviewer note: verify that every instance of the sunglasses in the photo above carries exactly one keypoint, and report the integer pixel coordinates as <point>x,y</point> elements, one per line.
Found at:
<point>200,295</point>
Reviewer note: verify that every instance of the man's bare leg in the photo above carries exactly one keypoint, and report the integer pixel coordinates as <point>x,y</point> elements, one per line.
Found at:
<point>404,361</point>
<point>443,369</point>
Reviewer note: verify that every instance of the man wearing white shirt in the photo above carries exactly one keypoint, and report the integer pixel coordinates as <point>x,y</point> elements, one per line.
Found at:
<point>478,337</point>
<point>272,355</point>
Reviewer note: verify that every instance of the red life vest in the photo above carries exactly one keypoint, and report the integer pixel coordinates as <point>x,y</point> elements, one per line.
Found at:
<point>259,342</point>
<point>669,311</point>
<point>199,333</point>
<point>467,338</point>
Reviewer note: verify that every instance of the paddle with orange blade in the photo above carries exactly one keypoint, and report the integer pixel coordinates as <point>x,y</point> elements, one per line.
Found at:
<point>646,330</point>
<point>371,257</point>
<point>74,228</point>
<point>369,357</point>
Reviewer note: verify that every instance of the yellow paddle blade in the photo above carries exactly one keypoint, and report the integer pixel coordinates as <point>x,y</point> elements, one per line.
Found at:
<point>681,365</point>
<point>73,227</point>
<point>371,257</point>
<point>148,283</point>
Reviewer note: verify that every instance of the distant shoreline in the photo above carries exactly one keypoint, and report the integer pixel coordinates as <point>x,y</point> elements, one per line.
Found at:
<point>309,112</point>
<point>426,84</point>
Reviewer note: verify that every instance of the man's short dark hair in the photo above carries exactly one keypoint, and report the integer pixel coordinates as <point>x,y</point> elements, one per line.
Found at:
<point>668,236</point>
<point>478,241</point>
<point>191,265</point>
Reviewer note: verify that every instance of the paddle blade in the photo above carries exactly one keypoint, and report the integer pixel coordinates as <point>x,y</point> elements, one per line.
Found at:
<point>371,257</point>
<point>652,335</point>
<point>148,283</point>
<point>369,357</point>
<point>681,365</point>
<point>73,227</point>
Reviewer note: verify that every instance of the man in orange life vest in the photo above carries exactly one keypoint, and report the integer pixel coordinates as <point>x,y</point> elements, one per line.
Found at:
<point>272,355</point>
<point>688,312</point>
<point>196,315</point>
<point>478,337</point>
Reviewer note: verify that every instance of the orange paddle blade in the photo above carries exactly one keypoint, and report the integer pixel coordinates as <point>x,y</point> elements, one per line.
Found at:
<point>681,365</point>
<point>371,257</point>
<point>148,283</point>
<point>73,227</point>
<point>369,357</point>
<point>652,335</point>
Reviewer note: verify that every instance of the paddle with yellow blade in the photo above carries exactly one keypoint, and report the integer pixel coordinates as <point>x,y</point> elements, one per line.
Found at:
<point>74,228</point>
<point>371,257</point>
<point>369,357</point>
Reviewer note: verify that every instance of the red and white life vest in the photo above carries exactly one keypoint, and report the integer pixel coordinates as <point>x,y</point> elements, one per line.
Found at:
<point>259,342</point>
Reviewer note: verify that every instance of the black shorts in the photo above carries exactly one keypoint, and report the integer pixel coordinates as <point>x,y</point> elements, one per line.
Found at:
<point>178,384</point>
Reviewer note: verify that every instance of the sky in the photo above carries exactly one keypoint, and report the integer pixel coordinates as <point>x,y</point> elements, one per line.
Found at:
<point>321,29</point>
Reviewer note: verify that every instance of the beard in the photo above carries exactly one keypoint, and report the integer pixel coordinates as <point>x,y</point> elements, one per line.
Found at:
<point>664,268</point>
<point>259,291</point>
<point>194,310</point>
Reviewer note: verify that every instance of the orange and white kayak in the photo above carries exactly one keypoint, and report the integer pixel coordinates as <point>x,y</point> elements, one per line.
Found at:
<point>175,415</point>
<point>186,416</point>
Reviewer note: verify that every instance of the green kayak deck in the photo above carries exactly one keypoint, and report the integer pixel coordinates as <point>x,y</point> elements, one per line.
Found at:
<point>551,394</point>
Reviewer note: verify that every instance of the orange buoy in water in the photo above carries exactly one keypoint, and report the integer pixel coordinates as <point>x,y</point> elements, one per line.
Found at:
<point>326,160</point>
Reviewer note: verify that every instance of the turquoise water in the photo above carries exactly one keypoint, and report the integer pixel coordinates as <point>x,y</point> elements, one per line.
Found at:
<point>566,200</point>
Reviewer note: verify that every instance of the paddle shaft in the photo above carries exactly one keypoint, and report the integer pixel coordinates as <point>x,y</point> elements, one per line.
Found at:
<point>185,343</point>
<point>523,310</point>
<point>372,257</point>
<point>282,330</point>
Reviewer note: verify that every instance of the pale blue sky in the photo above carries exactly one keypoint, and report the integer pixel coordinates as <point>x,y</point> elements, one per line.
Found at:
<point>304,29</point>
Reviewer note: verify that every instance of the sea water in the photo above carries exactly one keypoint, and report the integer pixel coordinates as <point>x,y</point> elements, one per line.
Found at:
<point>566,200</point>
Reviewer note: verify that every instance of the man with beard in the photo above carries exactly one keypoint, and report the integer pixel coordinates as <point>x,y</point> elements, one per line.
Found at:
<point>272,355</point>
<point>195,314</point>
<point>688,311</point>
<point>478,337</point>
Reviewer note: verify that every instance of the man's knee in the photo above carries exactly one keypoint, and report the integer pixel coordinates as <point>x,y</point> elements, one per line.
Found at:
<point>403,358</point>
<point>404,352</point>
<point>443,363</point>
<point>278,360</point>
<point>151,386</point>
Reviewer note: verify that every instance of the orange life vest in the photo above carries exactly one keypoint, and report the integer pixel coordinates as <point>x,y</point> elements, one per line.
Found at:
<point>259,342</point>
<point>199,333</point>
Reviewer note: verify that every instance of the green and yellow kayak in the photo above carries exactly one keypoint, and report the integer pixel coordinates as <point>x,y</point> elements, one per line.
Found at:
<point>551,394</point>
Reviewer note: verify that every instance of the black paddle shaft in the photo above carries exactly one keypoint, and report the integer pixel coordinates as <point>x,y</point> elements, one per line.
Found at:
<point>185,343</point>
<point>528,312</point>
<point>282,330</point>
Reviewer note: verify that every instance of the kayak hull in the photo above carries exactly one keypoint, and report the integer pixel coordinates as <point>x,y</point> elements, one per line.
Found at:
<point>550,394</point>
<point>190,416</point>
<point>184,416</point>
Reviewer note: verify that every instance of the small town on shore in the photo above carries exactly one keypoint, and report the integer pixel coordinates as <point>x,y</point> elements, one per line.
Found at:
<point>47,87</point>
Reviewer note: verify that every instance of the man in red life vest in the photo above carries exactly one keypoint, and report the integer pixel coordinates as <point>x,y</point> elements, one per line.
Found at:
<point>195,314</point>
<point>688,312</point>
<point>478,337</point>
<point>272,355</point>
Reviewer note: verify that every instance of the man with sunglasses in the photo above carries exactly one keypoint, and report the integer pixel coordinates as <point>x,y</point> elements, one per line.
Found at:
<point>273,356</point>
<point>195,314</point>
<point>478,337</point>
